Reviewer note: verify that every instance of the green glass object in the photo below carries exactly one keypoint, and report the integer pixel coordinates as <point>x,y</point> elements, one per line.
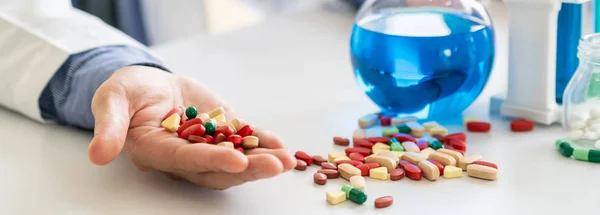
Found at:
<point>357,196</point>
<point>210,128</point>
<point>594,156</point>
<point>346,188</point>
<point>566,149</point>
<point>387,132</point>
<point>593,90</point>
<point>581,154</point>
<point>403,128</point>
<point>395,146</point>
<point>191,112</point>
<point>435,144</point>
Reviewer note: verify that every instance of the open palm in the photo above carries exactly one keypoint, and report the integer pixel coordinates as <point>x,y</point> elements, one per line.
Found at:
<point>129,108</point>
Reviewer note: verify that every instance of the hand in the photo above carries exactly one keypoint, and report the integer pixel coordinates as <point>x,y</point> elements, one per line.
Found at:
<point>129,108</point>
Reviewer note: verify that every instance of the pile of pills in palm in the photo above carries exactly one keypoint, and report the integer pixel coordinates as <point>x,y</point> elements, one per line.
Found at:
<point>402,149</point>
<point>211,128</point>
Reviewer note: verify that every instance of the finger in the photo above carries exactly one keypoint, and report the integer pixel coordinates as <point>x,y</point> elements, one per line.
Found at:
<point>261,166</point>
<point>286,158</point>
<point>111,112</point>
<point>267,139</point>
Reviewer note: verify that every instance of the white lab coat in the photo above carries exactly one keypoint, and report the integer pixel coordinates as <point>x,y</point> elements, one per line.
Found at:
<point>36,37</point>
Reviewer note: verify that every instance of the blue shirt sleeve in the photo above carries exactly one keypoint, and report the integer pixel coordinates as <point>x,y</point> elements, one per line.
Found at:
<point>67,97</point>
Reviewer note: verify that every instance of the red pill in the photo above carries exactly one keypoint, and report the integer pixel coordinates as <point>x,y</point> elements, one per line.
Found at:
<point>521,125</point>
<point>422,144</point>
<point>363,143</point>
<point>364,169</point>
<point>378,139</point>
<point>320,178</point>
<point>220,138</point>
<point>189,131</point>
<point>351,162</point>
<point>196,139</point>
<point>326,165</point>
<point>403,137</point>
<point>209,139</point>
<point>373,165</point>
<point>319,160</point>
<point>177,110</point>
<point>330,173</point>
<point>305,157</point>
<point>456,144</point>
<point>341,141</point>
<point>413,172</point>
<point>485,163</point>
<point>383,202</point>
<point>479,126</point>
<point>240,149</point>
<point>225,129</point>
<point>235,139</point>
<point>439,137</point>
<point>301,165</point>
<point>363,151</point>
<point>460,136</point>
<point>403,163</point>
<point>187,124</point>
<point>439,165</point>
<point>396,174</point>
<point>452,148</point>
<point>356,156</point>
<point>247,130</point>
<point>385,120</point>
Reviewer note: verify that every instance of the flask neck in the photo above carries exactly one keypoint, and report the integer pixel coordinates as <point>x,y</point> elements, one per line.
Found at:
<point>589,49</point>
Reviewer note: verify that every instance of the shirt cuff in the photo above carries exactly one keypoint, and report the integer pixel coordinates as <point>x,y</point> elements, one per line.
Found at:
<point>68,96</point>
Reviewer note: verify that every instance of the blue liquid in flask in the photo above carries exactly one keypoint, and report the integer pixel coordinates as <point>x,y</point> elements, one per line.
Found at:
<point>431,64</point>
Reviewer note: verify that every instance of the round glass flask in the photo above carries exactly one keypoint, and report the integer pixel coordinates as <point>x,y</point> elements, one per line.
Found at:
<point>425,58</point>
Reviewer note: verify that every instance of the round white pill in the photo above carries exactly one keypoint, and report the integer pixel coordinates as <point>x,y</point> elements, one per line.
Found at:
<point>595,112</point>
<point>597,144</point>
<point>590,135</point>
<point>594,127</point>
<point>576,134</point>
<point>578,124</point>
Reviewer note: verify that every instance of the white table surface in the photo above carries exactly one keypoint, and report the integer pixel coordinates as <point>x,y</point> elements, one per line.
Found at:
<point>293,76</point>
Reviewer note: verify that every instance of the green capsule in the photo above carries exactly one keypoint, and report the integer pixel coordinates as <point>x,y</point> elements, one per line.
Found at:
<point>435,144</point>
<point>357,196</point>
<point>395,146</point>
<point>594,156</point>
<point>581,154</point>
<point>566,149</point>
<point>210,128</point>
<point>191,112</point>
<point>387,132</point>
<point>403,128</point>
<point>346,188</point>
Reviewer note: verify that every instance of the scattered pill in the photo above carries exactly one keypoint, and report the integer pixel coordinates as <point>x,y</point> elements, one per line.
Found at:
<point>403,129</point>
<point>220,118</point>
<point>379,147</point>
<point>330,173</point>
<point>355,195</point>
<point>384,201</point>
<point>191,131</point>
<point>456,144</point>
<point>445,159</point>
<point>191,112</point>
<point>247,130</point>
<point>456,155</point>
<point>172,122</point>
<point>412,171</point>
<point>363,143</point>
<point>356,156</point>
<point>429,125</point>
<point>576,134</point>
<point>300,165</point>
<point>465,161</point>
<point>395,146</point>
<point>386,132</point>
<point>410,146</point>
<point>320,178</point>
<point>461,136</point>
<point>579,154</point>
<point>305,157</point>
<point>439,165</point>
<point>187,124</point>
<point>363,151</point>
<point>326,165</point>
<point>566,149</point>
<point>224,129</point>
<point>438,137</point>
<point>452,172</point>
<point>391,155</point>
<point>595,113</point>
<point>237,123</point>
<point>359,134</point>
<point>335,198</point>
<point>226,144</point>
<point>435,144</point>
<point>520,125</point>
<point>378,139</point>
<point>367,121</point>
<point>438,130</point>
<point>341,141</point>
<point>383,161</point>
<point>333,155</point>
<point>385,121</point>
<point>177,110</point>
<point>380,173</point>
<point>318,159</point>
<point>402,120</point>
<point>373,165</point>
<point>237,140</point>
<point>351,162</point>
<point>423,144</point>
<point>590,135</point>
<point>342,158</point>
<point>348,170</point>
<point>479,126</point>
<point>364,169</point>
<point>482,172</point>
<point>203,116</point>
<point>250,142</point>
<point>216,112</point>
<point>210,128</point>
<point>416,129</point>
<point>209,139</point>
<point>240,149</point>
<point>396,174</point>
<point>485,163</point>
<point>196,139</point>
<point>413,157</point>
<point>426,152</point>
<point>430,170</point>
<point>358,182</point>
<point>403,137</point>
<point>220,138</point>
<point>467,120</point>
<point>580,124</point>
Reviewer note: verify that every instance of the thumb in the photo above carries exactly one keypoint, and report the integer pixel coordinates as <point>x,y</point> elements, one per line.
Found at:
<point>111,112</point>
